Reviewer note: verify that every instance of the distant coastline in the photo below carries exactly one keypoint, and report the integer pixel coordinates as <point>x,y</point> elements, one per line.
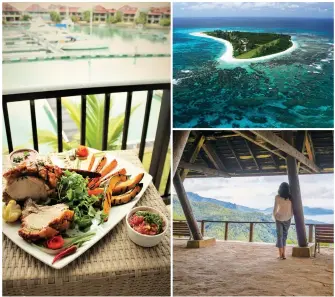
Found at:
<point>228,55</point>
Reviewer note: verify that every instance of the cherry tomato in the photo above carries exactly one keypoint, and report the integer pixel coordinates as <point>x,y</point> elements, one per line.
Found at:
<point>55,242</point>
<point>82,151</point>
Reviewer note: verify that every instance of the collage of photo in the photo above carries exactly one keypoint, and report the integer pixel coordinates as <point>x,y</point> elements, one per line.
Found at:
<point>168,148</point>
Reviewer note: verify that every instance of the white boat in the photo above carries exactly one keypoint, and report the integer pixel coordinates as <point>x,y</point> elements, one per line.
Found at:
<point>68,23</point>
<point>85,45</point>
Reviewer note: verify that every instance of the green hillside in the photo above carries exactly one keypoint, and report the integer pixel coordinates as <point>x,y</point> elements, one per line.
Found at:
<point>212,211</point>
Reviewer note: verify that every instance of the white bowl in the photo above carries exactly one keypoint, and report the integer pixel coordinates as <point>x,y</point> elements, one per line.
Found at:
<point>143,239</point>
<point>35,155</point>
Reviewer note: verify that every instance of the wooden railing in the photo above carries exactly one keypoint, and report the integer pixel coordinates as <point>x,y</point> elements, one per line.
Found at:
<point>162,139</point>
<point>311,227</point>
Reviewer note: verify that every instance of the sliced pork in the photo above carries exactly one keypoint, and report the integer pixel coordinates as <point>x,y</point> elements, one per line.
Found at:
<point>43,222</point>
<point>25,187</point>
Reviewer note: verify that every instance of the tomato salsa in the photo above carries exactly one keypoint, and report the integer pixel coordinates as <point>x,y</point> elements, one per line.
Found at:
<point>146,222</point>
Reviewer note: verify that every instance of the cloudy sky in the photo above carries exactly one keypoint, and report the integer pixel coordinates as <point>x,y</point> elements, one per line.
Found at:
<point>254,9</point>
<point>259,192</point>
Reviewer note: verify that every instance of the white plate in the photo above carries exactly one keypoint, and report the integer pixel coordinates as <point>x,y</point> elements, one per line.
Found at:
<point>117,213</point>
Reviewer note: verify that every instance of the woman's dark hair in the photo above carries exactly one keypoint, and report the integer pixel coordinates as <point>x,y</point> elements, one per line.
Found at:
<point>284,191</point>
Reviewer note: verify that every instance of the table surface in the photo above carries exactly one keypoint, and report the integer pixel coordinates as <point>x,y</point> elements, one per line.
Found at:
<point>113,256</point>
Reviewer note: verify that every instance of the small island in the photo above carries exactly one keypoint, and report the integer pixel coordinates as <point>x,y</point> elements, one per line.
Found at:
<point>247,45</point>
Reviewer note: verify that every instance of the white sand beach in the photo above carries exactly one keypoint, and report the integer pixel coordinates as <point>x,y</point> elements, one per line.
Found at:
<point>228,54</point>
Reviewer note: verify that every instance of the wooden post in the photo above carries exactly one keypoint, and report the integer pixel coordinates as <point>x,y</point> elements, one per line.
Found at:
<point>251,232</point>
<point>310,233</point>
<point>187,209</point>
<point>203,228</point>
<point>179,142</point>
<point>226,231</point>
<point>293,178</point>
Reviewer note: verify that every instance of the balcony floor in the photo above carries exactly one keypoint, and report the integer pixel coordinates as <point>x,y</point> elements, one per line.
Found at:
<point>244,269</point>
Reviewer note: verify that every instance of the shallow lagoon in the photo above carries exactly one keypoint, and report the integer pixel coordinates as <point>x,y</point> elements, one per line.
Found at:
<point>294,90</point>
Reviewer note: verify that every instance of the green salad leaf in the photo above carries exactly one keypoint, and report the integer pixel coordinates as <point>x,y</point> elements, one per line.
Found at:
<point>72,190</point>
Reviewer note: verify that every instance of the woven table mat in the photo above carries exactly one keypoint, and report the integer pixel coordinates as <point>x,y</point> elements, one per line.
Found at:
<point>114,257</point>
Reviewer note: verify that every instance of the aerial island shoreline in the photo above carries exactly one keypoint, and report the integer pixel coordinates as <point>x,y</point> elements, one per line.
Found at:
<point>228,55</point>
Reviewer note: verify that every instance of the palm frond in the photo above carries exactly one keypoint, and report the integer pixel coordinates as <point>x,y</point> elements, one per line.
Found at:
<point>51,139</point>
<point>94,122</point>
<point>73,110</point>
<point>115,127</point>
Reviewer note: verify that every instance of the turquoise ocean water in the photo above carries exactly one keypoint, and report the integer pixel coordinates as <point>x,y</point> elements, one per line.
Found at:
<point>295,90</point>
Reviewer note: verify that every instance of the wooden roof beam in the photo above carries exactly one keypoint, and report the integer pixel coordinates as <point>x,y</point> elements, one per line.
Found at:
<point>193,154</point>
<point>237,158</point>
<point>309,147</point>
<point>300,144</point>
<point>281,144</point>
<point>249,136</point>
<point>252,154</point>
<point>215,137</point>
<point>203,169</point>
<point>213,156</point>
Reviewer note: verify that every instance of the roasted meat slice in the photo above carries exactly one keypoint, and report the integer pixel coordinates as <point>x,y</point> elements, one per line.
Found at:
<point>25,187</point>
<point>50,174</point>
<point>31,180</point>
<point>43,222</point>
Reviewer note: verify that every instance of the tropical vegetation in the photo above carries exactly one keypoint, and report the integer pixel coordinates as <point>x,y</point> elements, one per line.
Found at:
<point>142,18</point>
<point>87,16</point>
<point>25,17</point>
<point>75,18</point>
<point>55,17</point>
<point>115,19</point>
<point>248,45</point>
<point>211,209</point>
<point>94,124</point>
<point>165,22</point>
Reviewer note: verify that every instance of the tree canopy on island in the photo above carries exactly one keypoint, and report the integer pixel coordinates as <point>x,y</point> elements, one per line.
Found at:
<point>248,45</point>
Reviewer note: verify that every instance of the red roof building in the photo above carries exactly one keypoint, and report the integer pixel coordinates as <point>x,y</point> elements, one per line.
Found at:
<point>159,11</point>
<point>126,9</point>
<point>35,8</point>
<point>155,14</point>
<point>6,7</point>
<point>99,9</point>
<point>10,13</point>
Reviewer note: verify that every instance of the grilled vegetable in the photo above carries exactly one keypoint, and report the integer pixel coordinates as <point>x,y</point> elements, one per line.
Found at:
<point>128,185</point>
<point>94,182</point>
<point>107,201</point>
<point>91,163</point>
<point>96,191</point>
<point>101,164</point>
<point>125,198</point>
<point>122,171</point>
<point>109,168</point>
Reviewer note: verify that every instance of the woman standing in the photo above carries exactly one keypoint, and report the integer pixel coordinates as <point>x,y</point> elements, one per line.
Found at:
<point>282,212</point>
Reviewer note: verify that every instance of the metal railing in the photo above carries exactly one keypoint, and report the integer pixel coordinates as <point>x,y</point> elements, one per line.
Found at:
<point>311,227</point>
<point>162,139</point>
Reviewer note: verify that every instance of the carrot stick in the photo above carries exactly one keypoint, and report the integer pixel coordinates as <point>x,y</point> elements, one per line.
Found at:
<point>95,182</point>
<point>108,168</point>
<point>96,191</point>
<point>91,163</point>
<point>101,164</point>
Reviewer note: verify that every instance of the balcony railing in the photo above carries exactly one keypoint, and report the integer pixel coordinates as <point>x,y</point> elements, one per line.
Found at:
<point>162,139</point>
<point>311,227</point>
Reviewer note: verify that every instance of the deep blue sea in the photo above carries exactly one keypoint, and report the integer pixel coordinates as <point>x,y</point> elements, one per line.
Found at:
<point>295,90</point>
